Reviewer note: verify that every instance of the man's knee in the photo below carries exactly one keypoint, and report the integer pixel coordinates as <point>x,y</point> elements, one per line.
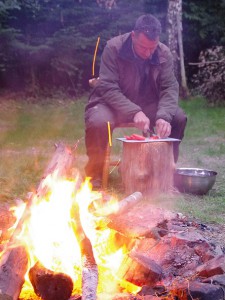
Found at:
<point>180,118</point>
<point>98,116</point>
<point>178,124</point>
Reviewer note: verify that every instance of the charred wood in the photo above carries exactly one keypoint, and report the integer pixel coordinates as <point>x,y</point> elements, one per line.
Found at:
<point>50,285</point>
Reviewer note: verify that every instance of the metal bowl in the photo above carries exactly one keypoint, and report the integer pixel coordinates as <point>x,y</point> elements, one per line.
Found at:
<point>194,181</point>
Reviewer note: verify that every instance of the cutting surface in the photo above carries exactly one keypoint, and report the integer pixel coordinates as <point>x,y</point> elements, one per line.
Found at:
<point>148,140</point>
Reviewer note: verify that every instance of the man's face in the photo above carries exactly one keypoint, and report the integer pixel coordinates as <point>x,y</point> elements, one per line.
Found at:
<point>143,47</point>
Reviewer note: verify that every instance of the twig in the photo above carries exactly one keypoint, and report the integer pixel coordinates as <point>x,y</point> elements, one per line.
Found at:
<point>207,62</point>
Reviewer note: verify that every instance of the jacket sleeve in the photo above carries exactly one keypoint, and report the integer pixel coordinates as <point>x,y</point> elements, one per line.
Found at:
<point>109,90</point>
<point>169,91</point>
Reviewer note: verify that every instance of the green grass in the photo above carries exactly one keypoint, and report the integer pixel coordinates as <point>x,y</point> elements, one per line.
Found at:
<point>28,133</point>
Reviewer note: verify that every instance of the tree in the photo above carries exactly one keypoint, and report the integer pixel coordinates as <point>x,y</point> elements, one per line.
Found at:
<point>175,42</point>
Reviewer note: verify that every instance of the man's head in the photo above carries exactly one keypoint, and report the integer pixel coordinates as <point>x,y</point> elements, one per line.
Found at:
<point>145,36</point>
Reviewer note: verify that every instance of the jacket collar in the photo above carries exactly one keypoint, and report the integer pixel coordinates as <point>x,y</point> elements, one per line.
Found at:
<point>126,52</point>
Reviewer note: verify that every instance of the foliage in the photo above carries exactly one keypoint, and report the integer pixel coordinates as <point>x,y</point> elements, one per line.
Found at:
<point>54,41</point>
<point>49,44</point>
<point>203,28</point>
<point>209,80</point>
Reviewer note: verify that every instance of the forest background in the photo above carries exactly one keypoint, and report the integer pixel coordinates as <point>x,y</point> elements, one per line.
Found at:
<point>47,47</point>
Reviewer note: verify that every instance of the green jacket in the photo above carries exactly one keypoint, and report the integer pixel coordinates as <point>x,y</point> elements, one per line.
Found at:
<point>124,88</point>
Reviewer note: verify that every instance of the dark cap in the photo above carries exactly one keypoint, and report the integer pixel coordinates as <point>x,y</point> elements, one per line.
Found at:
<point>149,25</point>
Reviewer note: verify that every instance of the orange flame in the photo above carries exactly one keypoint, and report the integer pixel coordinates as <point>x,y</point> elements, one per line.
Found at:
<point>50,238</point>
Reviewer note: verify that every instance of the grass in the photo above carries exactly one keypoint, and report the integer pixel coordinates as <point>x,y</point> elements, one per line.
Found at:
<point>28,133</point>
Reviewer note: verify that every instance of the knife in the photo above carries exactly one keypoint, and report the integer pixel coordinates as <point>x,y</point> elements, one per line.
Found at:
<point>148,133</point>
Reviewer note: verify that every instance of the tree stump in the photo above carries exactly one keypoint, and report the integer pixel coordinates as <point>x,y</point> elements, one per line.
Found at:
<point>147,167</point>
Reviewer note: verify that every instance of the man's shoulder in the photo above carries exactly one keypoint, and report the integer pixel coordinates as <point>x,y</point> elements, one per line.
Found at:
<point>118,40</point>
<point>163,47</point>
<point>163,52</point>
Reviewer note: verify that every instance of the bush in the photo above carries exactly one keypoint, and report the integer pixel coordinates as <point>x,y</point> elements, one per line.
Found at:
<point>209,81</point>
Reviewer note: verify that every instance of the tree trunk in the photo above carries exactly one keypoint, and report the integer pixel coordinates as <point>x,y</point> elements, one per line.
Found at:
<point>147,167</point>
<point>184,92</point>
<point>175,43</point>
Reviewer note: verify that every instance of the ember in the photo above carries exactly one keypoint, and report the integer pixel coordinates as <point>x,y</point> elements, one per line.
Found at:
<point>79,244</point>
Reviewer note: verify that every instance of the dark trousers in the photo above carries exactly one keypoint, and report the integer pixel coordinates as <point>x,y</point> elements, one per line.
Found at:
<point>96,134</point>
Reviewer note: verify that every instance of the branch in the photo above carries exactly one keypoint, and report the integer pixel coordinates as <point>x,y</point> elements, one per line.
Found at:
<point>207,62</point>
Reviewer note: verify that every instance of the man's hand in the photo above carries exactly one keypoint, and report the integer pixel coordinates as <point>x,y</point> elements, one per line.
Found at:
<point>163,128</point>
<point>142,122</point>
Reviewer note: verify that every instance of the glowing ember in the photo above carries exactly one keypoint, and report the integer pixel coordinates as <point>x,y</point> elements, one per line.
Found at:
<point>49,234</point>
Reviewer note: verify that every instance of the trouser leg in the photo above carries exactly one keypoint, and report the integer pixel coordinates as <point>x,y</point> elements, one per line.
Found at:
<point>178,125</point>
<point>96,138</point>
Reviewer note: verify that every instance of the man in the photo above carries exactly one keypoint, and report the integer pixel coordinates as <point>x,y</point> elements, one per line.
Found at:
<point>136,84</point>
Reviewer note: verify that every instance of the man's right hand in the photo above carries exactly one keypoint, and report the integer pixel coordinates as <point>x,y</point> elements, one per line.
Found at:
<point>142,121</point>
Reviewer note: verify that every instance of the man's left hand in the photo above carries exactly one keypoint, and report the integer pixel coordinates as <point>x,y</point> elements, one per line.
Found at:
<point>163,128</point>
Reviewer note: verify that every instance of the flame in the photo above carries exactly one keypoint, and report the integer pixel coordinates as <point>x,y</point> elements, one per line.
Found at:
<point>51,237</point>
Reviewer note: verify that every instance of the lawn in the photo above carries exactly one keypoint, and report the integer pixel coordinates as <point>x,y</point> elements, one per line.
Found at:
<point>28,133</point>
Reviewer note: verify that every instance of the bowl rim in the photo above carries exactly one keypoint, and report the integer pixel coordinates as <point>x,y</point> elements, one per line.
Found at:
<point>213,173</point>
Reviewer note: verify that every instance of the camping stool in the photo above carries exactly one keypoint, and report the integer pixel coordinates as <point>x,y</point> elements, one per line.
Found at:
<point>108,163</point>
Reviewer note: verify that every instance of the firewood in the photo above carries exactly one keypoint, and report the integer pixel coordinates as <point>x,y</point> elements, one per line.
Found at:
<point>147,167</point>
<point>13,267</point>
<point>89,271</point>
<point>119,207</point>
<point>141,270</point>
<point>50,285</point>
<point>59,166</point>
<point>89,266</point>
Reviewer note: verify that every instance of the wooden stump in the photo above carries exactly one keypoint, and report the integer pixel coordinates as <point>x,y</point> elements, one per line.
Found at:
<point>147,167</point>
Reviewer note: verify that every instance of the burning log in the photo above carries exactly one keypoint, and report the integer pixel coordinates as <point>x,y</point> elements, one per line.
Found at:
<point>60,166</point>
<point>89,266</point>
<point>120,207</point>
<point>13,267</point>
<point>89,271</point>
<point>152,167</point>
<point>50,285</point>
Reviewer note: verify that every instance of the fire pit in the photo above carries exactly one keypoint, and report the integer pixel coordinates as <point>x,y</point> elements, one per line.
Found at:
<point>194,180</point>
<point>73,244</point>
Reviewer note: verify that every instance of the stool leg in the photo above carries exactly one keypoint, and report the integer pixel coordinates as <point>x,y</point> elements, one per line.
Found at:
<point>105,173</point>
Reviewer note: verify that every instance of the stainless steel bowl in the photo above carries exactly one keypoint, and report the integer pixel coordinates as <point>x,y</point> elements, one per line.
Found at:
<point>194,181</point>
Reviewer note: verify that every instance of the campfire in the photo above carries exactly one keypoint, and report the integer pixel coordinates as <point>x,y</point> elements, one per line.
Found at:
<point>69,242</point>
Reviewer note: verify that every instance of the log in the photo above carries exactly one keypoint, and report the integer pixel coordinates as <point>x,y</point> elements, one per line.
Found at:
<point>120,207</point>
<point>140,270</point>
<point>60,166</point>
<point>89,271</point>
<point>147,167</point>
<point>13,267</point>
<point>50,285</point>
<point>89,265</point>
